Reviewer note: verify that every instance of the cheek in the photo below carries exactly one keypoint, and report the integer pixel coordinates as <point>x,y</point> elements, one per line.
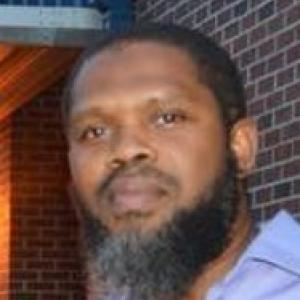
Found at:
<point>87,169</point>
<point>196,159</point>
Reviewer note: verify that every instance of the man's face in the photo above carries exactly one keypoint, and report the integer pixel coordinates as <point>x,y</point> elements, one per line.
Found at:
<point>146,138</point>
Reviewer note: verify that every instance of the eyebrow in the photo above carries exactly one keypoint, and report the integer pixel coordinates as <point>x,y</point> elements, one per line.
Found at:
<point>86,114</point>
<point>169,96</point>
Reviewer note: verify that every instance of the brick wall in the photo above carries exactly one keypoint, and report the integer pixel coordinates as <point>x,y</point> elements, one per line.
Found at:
<point>44,256</point>
<point>262,37</point>
<point>5,153</point>
<point>38,228</point>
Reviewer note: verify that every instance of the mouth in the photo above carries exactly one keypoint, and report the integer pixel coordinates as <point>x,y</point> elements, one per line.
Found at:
<point>135,196</point>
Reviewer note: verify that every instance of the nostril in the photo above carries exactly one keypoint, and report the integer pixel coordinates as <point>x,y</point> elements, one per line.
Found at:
<point>117,163</point>
<point>141,157</point>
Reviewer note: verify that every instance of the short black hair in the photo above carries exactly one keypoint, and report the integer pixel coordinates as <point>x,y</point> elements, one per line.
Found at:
<point>216,69</point>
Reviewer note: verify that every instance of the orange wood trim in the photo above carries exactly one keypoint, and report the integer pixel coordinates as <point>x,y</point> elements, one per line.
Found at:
<point>29,71</point>
<point>5,51</point>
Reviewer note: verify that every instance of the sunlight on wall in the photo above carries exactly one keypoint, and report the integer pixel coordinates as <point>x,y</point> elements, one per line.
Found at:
<point>5,162</point>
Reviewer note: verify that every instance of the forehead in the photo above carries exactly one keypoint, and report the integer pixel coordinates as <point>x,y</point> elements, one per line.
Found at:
<point>133,63</point>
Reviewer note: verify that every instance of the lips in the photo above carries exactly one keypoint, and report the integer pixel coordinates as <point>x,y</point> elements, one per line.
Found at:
<point>135,195</point>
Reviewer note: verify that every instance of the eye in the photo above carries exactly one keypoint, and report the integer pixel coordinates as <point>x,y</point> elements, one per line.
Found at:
<point>93,132</point>
<point>169,118</point>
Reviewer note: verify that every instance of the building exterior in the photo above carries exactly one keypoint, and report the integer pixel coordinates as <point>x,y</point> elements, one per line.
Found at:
<point>40,256</point>
<point>263,39</point>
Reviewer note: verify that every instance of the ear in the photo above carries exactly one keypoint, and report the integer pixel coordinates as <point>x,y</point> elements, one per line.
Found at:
<point>243,142</point>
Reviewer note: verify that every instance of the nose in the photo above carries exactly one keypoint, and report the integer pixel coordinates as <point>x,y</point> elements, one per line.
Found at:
<point>131,147</point>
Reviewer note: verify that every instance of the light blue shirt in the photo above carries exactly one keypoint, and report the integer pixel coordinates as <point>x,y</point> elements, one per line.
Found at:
<point>269,269</point>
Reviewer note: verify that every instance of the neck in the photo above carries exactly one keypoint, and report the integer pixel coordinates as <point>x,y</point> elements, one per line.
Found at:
<point>216,270</point>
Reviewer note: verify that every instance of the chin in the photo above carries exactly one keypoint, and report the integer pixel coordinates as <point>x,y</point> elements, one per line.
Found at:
<point>137,222</point>
<point>159,256</point>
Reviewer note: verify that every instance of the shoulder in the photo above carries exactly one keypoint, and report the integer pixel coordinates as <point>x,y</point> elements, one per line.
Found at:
<point>269,269</point>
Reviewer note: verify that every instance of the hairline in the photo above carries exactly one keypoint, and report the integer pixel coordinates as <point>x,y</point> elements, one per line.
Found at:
<point>188,48</point>
<point>120,45</point>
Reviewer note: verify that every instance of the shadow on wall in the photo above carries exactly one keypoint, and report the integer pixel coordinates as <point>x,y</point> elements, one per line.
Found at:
<point>44,258</point>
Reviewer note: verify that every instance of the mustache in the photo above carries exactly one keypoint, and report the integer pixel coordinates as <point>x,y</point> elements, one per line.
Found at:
<point>164,180</point>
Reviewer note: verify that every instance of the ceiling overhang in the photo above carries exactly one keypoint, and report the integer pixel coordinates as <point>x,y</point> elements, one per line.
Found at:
<point>27,71</point>
<point>51,26</point>
<point>38,46</point>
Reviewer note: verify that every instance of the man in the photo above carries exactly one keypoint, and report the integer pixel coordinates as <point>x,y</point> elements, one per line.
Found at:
<point>159,147</point>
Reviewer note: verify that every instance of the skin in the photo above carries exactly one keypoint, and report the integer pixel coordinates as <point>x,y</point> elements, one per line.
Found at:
<point>143,102</point>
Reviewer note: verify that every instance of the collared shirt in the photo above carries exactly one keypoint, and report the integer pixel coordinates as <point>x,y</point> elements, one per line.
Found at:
<point>269,269</point>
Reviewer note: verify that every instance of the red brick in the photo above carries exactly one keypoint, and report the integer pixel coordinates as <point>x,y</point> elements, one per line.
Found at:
<point>260,141</point>
<point>241,8</point>
<point>296,147</point>
<point>281,5</point>
<point>40,285</point>
<point>292,168</point>
<point>217,36</point>
<point>293,14</point>
<point>270,211</point>
<point>272,137</point>
<point>250,93</point>
<point>276,24</point>
<point>283,114</point>
<point>248,57</point>
<point>258,70</point>
<point>296,185</point>
<point>293,53</point>
<point>263,158</point>
<point>54,295</point>
<point>187,22</point>
<point>208,26</point>
<point>263,195</point>
<point>23,295</point>
<point>266,48</point>
<point>258,34</point>
<point>293,92</point>
<point>297,109</point>
<point>272,174</point>
<point>266,85</point>
<point>265,121</point>
<point>275,62</point>
<point>248,21</point>
<point>56,276</point>
<point>256,108</point>
<point>232,30</point>
<point>291,205</point>
<point>297,32</point>
<point>224,17</point>
<point>256,215</point>
<point>39,177</point>
<point>283,151</point>
<point>40,265</point>
<point>216,5</point>
<point>291,130</point>
<point>25,275</point>
<point>255,179</point>
<point>282,190</point>
<point>266,11</point>
<point>240,43</point>
<point>201,14</point>
<point>285,39</point>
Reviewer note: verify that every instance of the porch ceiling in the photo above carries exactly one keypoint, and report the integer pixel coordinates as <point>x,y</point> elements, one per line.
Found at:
<point>27,71</point>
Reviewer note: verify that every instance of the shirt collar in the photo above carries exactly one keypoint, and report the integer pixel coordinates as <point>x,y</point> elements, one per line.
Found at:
<point>278,244</point>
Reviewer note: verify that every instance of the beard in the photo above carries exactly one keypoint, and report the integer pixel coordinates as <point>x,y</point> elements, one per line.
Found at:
<point>166,264</point>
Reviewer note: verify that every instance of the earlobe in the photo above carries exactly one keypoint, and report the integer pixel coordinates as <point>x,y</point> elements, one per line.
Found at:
<point>244,138</point>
